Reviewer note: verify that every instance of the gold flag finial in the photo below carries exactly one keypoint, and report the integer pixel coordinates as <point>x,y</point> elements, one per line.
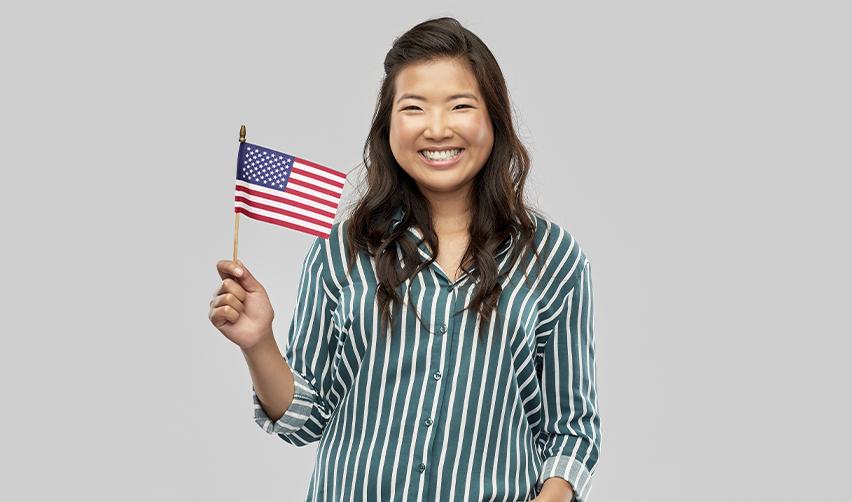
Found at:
<point>243,133</point>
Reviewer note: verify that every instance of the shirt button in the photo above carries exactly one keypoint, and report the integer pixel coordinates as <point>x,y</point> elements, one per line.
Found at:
<point>421,467</point>
<point>436,375</point>
<point>428,422</point>
<point>443,328</point>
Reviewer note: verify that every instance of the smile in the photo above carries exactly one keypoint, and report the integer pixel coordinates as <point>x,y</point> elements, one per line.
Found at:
<point>442,158</point>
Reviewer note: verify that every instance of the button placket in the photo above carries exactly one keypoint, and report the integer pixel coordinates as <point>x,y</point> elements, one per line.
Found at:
<point>447,297</point>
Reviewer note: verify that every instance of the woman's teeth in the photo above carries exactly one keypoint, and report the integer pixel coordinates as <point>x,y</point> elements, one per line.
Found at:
<point>440,155</point>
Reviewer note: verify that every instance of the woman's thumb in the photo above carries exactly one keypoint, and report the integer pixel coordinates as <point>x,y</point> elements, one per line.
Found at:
<point>246,279</point>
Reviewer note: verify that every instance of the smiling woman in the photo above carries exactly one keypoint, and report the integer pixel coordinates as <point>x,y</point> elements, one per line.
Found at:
<point>443,92</point>
<point>440,131</point>
<point>442,345</point>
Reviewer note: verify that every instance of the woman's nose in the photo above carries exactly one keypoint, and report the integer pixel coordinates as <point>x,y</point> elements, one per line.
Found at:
<point>438,126</point>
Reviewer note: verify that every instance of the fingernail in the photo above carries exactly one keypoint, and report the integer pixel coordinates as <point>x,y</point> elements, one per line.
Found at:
<point>238,272</point>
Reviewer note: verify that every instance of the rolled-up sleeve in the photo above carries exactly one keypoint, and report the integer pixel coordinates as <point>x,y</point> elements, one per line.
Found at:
<point>570,428</point>
<point>309,349</point>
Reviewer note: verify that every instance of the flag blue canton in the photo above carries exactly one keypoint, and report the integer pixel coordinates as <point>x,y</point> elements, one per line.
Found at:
<point>264,167</point>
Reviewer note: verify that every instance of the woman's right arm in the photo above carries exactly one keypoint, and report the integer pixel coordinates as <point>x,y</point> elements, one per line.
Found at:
<point>292,394</point>
<point>271,376</point>
<point>241,310</point>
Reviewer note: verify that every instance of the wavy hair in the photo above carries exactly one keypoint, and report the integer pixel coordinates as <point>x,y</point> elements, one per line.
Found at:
<point>498,207</point>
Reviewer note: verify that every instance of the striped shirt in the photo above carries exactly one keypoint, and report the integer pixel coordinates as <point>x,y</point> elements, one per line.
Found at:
<point>434,413</point>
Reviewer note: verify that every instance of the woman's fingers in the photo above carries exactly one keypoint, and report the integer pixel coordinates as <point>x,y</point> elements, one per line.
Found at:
<point>222,315</point>
<point>229,300</point>
<point>238,272</point>
<point>231,286</point>
<point>227,268</point>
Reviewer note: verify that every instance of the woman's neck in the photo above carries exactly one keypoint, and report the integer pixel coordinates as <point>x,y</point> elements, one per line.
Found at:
<point>451,214</point>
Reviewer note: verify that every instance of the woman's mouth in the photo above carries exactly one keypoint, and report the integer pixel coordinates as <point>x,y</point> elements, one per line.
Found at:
<point>441,158</point>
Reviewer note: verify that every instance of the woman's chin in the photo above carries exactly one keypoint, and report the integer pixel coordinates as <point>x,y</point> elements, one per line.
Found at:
<point>442,183</point>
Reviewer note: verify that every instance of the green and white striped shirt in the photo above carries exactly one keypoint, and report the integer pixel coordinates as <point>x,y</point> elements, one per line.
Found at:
<point>434,413</point>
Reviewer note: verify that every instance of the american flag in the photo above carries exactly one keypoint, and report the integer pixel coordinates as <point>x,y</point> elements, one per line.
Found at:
<point>285,190</point>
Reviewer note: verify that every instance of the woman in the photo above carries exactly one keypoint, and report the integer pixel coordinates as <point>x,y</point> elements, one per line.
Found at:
<point>442,342</point>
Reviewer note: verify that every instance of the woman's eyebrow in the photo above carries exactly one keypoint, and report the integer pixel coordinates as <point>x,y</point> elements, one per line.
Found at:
<point>454,96</point>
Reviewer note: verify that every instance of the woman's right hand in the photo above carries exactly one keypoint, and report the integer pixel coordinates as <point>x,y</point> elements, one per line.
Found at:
<point>240,308</point>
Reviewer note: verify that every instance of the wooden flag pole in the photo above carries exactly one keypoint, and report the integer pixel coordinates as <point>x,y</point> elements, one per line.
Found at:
<point>236,214</point>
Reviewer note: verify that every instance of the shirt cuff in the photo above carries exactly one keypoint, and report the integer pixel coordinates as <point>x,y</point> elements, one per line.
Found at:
<point>296,414</point>
<point>571,470</point>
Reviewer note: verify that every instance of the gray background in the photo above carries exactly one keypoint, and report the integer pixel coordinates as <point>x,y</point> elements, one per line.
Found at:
<point>698,151</point>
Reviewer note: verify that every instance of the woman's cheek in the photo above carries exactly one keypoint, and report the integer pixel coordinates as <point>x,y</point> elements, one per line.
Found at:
<point>407,130</point>
<point>482,131</point>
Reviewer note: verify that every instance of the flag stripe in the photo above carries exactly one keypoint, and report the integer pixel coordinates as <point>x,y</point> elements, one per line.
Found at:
<point>302,208</point>
<point>283,223</point>
<point>272,215</point>
<point>309,195</point>
<point>311,198</point>
<point>310,172</point>
<point>286,199</point>
<point>289,195</point>
<point>327,170</point>
<point>310,183</point>
<point>254,203</point>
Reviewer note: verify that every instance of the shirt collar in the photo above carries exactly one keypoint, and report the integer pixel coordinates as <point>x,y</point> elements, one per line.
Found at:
<point>399,214</point>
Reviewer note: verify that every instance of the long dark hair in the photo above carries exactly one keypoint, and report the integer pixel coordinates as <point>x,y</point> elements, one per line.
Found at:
<point>498,208</point>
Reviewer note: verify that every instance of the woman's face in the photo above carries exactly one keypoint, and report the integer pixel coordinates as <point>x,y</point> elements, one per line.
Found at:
<point>438,107</point>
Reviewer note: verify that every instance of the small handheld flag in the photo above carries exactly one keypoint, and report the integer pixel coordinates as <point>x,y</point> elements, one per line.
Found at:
<point>286,190</point>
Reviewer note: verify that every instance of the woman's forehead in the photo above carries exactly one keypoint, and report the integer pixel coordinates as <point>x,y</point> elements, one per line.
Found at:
<point>436,80</point>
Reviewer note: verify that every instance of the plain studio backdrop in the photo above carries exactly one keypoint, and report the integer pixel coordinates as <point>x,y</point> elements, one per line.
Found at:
<point>700,152</point>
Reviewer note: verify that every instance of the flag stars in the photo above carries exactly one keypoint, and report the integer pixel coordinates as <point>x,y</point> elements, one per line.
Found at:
<point>266,167</point>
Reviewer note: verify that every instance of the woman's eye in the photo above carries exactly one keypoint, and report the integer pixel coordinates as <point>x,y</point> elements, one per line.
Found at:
<point>412,107</point>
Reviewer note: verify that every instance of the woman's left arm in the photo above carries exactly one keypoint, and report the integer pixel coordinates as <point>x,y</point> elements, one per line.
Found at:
<point>571,424</point>
<point>555,489</point>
